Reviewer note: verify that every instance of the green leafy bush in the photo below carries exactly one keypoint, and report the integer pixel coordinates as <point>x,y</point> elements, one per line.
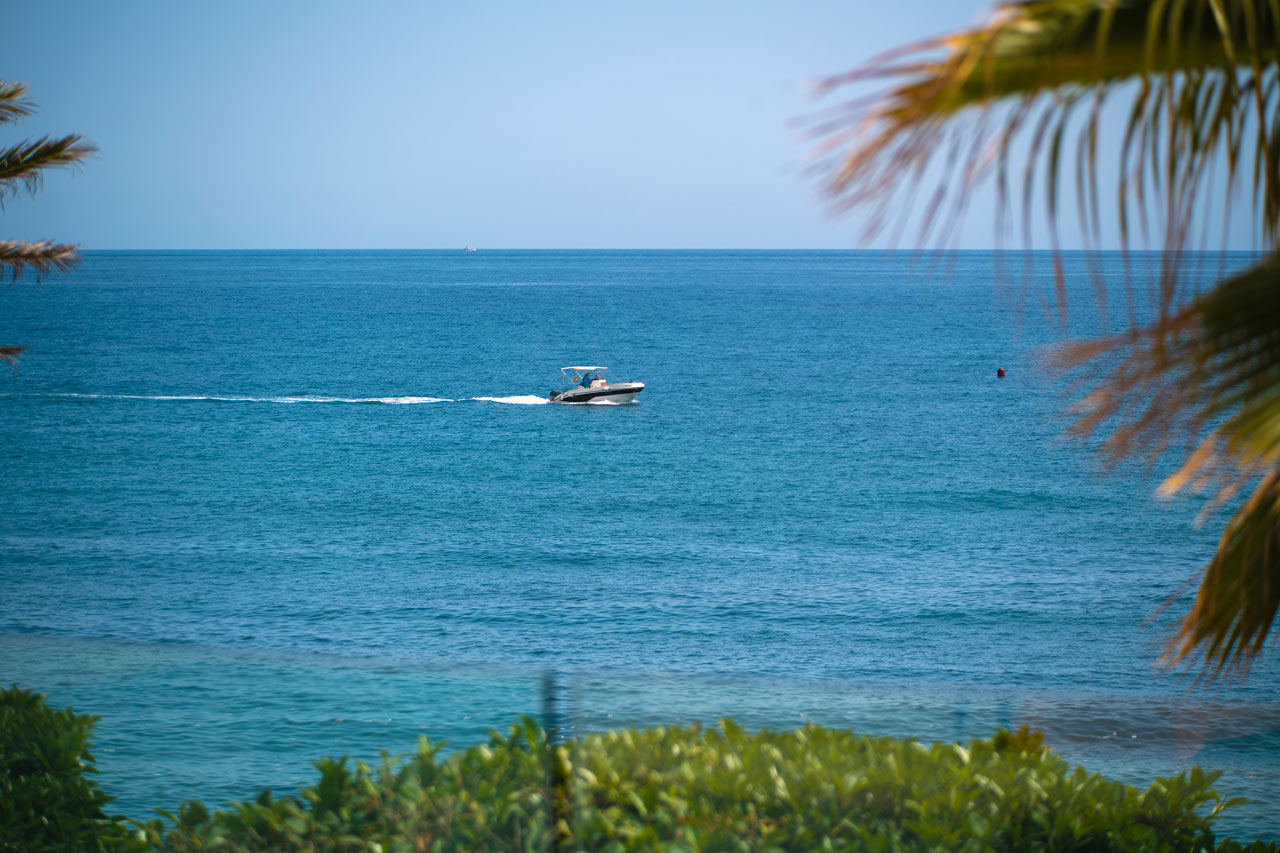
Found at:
<point>47,800</point>
<point>723,789</point>
<point>679,788</point>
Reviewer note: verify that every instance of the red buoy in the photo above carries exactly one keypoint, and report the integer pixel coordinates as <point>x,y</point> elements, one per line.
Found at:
<point>1000,372</point>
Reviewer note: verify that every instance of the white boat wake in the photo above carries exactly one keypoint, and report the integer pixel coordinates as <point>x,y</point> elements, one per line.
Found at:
<point>226,398</point>
<point>519,399</point>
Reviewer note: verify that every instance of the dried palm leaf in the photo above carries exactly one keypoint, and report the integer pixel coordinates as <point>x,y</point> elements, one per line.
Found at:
<point>44,257</point>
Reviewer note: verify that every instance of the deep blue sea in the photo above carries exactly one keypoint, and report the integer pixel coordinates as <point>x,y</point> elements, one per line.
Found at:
<point>263,507</point>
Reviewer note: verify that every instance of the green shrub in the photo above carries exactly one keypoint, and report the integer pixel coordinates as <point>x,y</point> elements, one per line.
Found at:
<point>47,802</point>
<point>724,789</point>
<point>679,788</point>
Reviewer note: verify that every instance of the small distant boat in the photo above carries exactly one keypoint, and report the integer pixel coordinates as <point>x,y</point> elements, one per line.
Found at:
<point>588,385</point>
<point>469,249</point>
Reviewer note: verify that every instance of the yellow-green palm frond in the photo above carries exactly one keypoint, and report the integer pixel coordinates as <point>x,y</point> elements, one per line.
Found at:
<point>1199,76</point>
<point>22,164</point>
<point>1019,102</point>
<point>1210,374</point>
<point>43,257</point>
<point>1238,598</point>
<point>13,102</point>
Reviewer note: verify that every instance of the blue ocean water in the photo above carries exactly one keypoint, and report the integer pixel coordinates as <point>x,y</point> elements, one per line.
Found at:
<point>269,506</point>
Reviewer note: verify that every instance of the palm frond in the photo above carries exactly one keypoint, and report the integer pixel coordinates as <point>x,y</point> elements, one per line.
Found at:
<point>21,165</point>
<point>1240,593</point>
<point>1200,77</point>
<point>13,102</point>
<point>43,257</point>
<point>1210,372</point>
<point>1013,100</point>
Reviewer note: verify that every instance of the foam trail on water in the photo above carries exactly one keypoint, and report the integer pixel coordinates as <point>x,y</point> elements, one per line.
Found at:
<point>305,398</point>
<point>409,401</point>
<point>519,400</point>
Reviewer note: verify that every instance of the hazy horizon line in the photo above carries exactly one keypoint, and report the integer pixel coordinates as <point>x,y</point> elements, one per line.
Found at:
<point>1047,251</point>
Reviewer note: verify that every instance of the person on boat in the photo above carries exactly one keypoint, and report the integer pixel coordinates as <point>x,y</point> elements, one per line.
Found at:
<point>586,379</point>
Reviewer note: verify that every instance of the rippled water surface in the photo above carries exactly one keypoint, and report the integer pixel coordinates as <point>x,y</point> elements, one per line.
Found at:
<point>270,506</point>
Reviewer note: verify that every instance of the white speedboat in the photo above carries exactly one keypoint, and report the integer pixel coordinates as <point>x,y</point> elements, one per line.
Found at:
<point>588,385</point>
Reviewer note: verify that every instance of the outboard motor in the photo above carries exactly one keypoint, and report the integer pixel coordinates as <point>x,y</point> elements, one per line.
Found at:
<point>552,396</point>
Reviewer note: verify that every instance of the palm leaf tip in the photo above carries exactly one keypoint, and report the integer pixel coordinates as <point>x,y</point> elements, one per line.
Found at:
<point>1240,593</point>
<point>11,353</point>
<point>43,257</point>
<point>22,164</point>
<point>13,102</point>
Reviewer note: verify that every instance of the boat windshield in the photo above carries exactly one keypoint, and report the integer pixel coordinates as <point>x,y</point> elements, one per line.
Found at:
<point>583,376</point>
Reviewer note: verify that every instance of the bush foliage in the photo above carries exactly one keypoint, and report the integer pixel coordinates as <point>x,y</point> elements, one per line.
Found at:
<point>677,788</point>
<point>724,789</point>
<point>47,799</point>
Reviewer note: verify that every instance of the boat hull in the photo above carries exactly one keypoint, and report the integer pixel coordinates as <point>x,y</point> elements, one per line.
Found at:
<point>622,392</point>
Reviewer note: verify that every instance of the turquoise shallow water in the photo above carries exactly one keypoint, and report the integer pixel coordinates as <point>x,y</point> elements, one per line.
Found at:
<point>278,505</point>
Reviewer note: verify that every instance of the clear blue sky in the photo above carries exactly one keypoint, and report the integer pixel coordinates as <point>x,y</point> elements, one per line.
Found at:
<point>424,125</point>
